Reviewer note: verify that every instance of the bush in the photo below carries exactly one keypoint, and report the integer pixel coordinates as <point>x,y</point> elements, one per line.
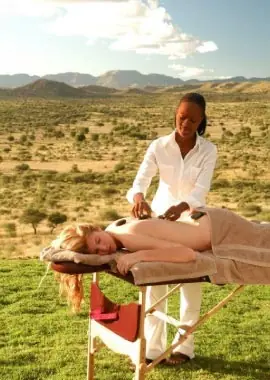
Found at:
<point>75,169</point>
<point>56,218</point>
<point>250,210</point>
<point>119,166</point>
<point>80,137</point>
<point>59,134</point>
<point>110,214</point>
<point>107,191</point>
<point>10,229</point>
<point>22,167</point>
<point>220,184</point>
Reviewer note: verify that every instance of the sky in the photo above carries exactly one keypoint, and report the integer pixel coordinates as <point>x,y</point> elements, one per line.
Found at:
<point>201,39</point>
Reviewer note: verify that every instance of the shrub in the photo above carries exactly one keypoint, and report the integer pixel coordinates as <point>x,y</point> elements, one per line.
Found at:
<point>10,229</point>
<point>56,218</point>
<point>107,191</point>
<point>80,137</point>
<point>22,167</point>
<point>75,169</point>
<point>220,184</point>
<point>119,166</point>
<point>59,134</point>
<point>23,139</point>
<point>250,210</point>
<point>109,214</point>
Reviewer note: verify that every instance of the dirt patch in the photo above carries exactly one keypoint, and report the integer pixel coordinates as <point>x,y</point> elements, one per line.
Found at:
<point>62,166</point>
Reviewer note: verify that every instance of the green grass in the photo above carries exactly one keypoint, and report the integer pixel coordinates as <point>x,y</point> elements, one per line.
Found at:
<point>39,339</point>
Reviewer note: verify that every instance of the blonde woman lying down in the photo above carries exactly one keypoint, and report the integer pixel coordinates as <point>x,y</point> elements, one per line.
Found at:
<point>164,241</point>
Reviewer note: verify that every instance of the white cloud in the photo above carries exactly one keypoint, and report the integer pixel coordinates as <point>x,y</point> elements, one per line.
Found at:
<point>142,26</point>
<point>190,72</point>
<point>223,77</point>
<point>207,46</point>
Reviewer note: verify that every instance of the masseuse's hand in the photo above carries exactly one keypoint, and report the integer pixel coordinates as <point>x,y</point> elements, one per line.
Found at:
<point>174,212</point>
<point>140,207</point>
<point>125,262</point>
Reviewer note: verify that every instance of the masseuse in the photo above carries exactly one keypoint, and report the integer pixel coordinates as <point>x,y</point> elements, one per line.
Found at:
<point>185,161</point>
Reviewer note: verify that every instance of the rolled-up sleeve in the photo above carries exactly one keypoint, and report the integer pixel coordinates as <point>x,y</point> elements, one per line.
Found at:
<point>196,197</point>
<point>146,172</point>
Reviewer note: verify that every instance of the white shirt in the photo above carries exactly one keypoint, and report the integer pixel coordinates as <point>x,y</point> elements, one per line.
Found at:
<point>181,179</point>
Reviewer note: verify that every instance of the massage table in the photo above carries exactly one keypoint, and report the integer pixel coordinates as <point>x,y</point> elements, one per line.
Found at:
<point>240,255</point>
<point>121,327</point>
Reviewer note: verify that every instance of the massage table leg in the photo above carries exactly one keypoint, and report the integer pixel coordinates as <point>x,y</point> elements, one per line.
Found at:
<point>140,362</point>
<point>92,343</point>
<point>190,329</point>
<point>92,346</point>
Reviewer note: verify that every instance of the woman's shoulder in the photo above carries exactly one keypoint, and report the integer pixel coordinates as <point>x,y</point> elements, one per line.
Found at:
<point>207,144</point>
<point>161,141</point>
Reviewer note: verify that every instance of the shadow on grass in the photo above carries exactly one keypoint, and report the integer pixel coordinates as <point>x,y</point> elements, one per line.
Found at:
<point>257,370</point>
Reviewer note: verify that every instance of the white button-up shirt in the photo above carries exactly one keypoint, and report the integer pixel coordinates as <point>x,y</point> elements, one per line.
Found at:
<point>181,179</point>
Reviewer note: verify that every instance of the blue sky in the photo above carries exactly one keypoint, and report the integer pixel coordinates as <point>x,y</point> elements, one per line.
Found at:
<point>201,39</point>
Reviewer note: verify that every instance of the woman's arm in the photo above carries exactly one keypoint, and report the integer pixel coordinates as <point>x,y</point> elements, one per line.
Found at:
<point>146,172</point>
<point>178,254</point>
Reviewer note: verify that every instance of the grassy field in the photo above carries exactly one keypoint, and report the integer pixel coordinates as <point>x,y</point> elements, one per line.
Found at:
<point>79,157</point>
<point>41,340</point>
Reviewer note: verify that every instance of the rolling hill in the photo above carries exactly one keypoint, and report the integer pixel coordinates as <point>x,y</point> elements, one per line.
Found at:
<point>44,88</point>
<point>117,79</point>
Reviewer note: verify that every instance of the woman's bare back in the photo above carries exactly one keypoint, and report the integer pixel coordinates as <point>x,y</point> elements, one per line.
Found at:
<point>195,235</point>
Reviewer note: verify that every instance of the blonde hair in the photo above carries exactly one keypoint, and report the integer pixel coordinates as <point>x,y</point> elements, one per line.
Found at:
<point>73,238</point>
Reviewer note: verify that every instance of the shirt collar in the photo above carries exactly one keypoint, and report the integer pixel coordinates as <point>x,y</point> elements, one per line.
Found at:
<point>170,140</point>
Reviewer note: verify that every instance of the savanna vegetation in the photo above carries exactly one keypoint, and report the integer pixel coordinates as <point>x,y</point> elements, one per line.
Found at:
<point>73,160</point>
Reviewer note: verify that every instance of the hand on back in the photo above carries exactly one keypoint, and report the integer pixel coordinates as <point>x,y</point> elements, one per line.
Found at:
<point>141,208</point>
<point>174,212</point>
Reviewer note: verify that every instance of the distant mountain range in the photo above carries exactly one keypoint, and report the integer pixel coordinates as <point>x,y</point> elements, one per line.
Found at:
<point>44,88</point>
<point>118,79</point>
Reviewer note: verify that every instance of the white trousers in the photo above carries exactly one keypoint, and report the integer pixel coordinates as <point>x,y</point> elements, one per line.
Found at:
<point>155,329</point>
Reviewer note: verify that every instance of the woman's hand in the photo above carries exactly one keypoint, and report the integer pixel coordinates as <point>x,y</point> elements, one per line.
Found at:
<point>174,212</point>
<point>140,207</point>
<point>126,261</point>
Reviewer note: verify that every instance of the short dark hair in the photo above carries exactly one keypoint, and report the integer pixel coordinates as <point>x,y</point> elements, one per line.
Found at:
<point>194,97</point>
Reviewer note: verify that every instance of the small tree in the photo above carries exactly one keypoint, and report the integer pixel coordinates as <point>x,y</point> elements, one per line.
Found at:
<point>32,216</point>
<point>56,218</point>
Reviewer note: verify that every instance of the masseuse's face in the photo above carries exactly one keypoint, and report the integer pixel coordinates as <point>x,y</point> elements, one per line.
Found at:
<point>188,118</point>
<point>101,243</point>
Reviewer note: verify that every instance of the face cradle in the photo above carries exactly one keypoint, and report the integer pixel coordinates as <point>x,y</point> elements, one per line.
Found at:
<point>101,243</point>
<point>188,118</point>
